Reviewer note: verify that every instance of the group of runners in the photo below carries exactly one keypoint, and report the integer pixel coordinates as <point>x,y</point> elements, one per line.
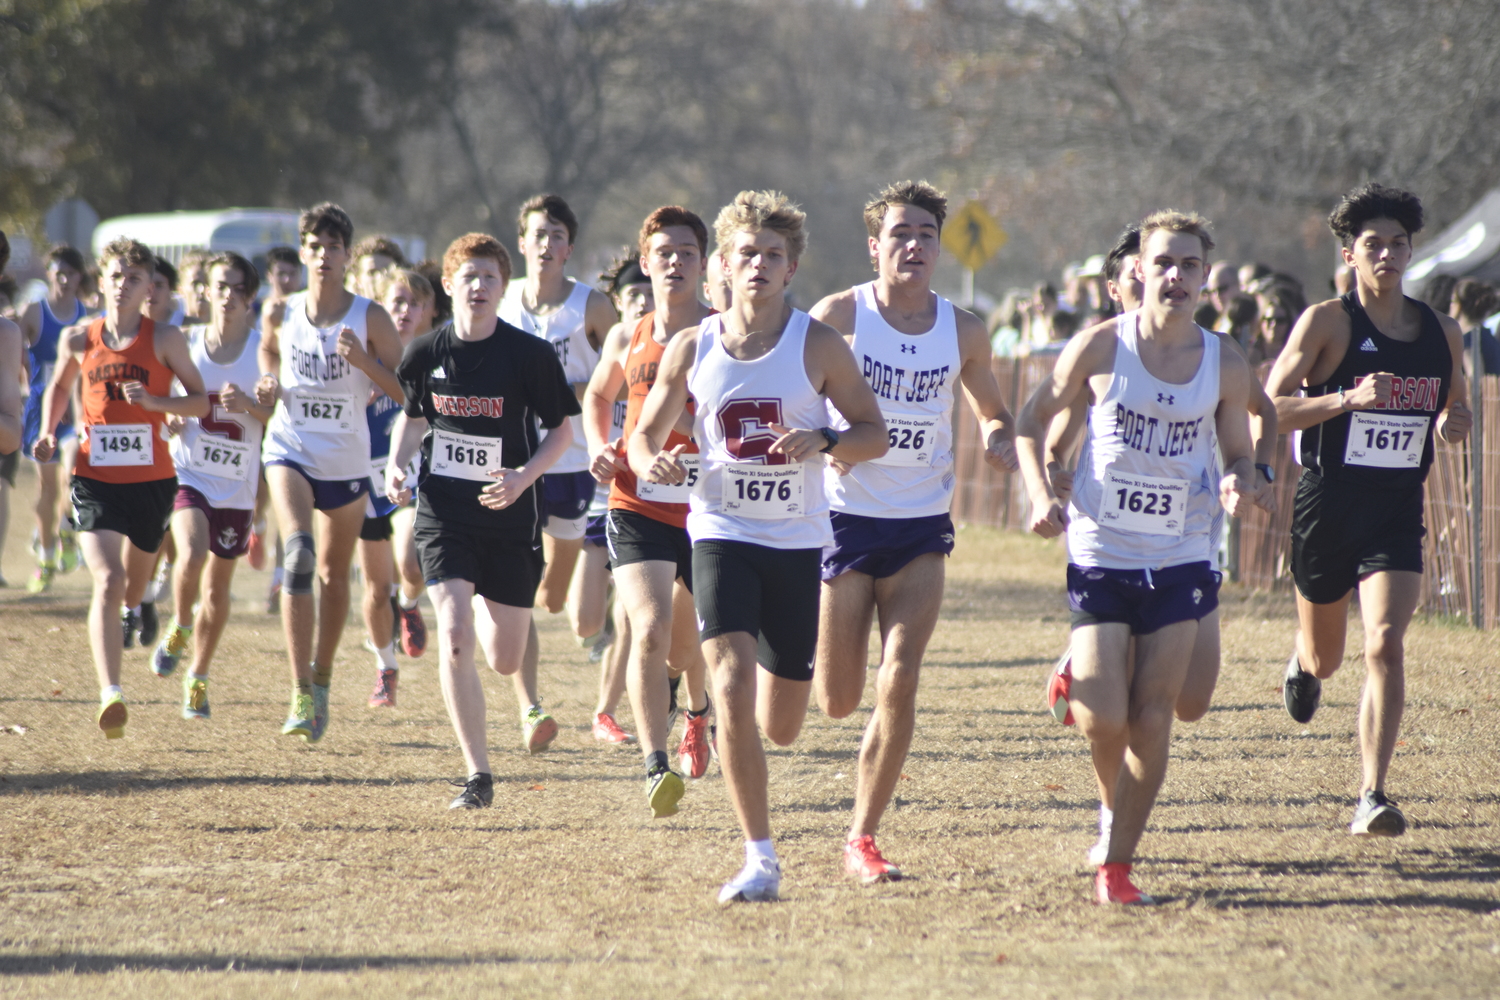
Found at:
<point>762,484</point>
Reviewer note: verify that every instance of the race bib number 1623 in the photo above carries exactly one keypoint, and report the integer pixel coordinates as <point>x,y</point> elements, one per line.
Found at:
<point>1150,505</point>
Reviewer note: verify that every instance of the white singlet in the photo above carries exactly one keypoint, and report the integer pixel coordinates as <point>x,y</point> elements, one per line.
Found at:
<point>738,401</point>
<point>1145,493</point>
<point>320,420</point>
<point>219,456</point>
<point>913,376</point>
<point>566,330</point>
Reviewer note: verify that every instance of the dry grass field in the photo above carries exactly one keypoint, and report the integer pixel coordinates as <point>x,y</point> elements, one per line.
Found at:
<point>221,859</point>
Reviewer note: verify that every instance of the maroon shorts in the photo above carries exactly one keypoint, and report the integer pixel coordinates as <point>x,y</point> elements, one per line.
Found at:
<point>228,529</point>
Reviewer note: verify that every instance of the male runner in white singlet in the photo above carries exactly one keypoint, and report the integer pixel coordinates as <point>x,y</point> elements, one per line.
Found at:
<point>321,360</point>
<point>475,390</point>
<point>573,318</point>
<point>891,529</point>
<point>1366,378</point>
<point>1138,524</point>
<point>649,546</point>
<point>761,375</point>
<point>218,473</point>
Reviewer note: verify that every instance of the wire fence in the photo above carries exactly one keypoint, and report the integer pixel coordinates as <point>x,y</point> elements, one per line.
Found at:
<point>1462,557</point>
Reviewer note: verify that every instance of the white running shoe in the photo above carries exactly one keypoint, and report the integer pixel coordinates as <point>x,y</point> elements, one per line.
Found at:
<point>758,882</point>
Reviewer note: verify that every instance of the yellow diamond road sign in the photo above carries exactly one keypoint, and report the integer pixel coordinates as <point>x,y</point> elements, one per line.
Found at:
<point>973,236</point>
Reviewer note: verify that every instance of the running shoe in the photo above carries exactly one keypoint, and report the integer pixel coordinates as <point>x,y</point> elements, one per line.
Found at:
<point>69,556</point>
<point>130,626</point>
<point>1100,851</point>
<point>194,697</point>
<point>862,860</point>
<point>758,882</point>
<point>1377,816</point>
<point>150,624</point>
<point>413,631</point>
<point>607,730</point>
<point>663,791</point>
<point>255,549</point>
<point>672,713</point>
<point>320,712</point>
<point>41,579</point>
<point>1113,885</point>
<point>384,695</point>
<point>1060,688</point>
<point>164,660</point>
<point>299,722</point>
<point>478,792</point>
<point>1301,691</point>
<point>693,753</point>
<point>273,597</point>
<point>112,717</point>
<point>538,729</point>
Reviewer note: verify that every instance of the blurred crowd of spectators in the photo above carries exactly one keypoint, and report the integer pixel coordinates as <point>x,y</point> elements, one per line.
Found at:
<point>1476,306</point>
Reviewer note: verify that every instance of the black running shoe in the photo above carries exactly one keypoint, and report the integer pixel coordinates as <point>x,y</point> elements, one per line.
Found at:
<point>1377,816</point>
<point>150,624</point>
<point>478,792</point>
<point>1301,691</point>
<point>130,624</point>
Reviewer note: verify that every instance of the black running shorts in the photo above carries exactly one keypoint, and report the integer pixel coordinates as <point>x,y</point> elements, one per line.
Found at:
<point>1342,532</point>
<point>376,529</point>
<point>501,570</point>
<point>634,537</point>
<point>139,511</point>
<point>770,593</point>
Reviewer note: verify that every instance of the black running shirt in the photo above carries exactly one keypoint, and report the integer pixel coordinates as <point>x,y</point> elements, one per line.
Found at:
<point>497,388</point>
<point>1389,448</point>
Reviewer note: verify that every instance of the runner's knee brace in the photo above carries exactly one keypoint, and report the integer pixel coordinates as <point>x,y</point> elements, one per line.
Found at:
<point>300,563</point>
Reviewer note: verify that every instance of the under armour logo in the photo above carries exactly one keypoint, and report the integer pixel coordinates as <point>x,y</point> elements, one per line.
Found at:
<point>1162,397</point>
<point>908,348</point>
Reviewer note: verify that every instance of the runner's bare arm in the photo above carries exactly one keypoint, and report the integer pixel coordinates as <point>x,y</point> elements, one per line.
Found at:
<point>406,438</point>
<point>1309,348</point>
<point>832,370</point>
<point>510,484</point>
<point>996,425</point>
<point>1062,438</point>
<point>268,388</point>
<point>31,323</point>
<point>1237,490</point>
<point>12,351</point>
<point>598,317</point>
<point>837,310</point>
<point>664,404</point>
<point>235,399</point>
<point>171,349</point>
<point>380,356</point>
<point>599,403</point>
<point>1457,419</point>
<point>55,398</point>
<point>1089,353</point>
<point>1262,411</point>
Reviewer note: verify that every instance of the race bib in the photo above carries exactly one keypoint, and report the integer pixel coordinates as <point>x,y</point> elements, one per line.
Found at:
<point>1385,441</point>
<point>764,491</point>
<point>1150,505</point>
<point>464,456</point>
<point>121,444</point>
<point>911,440</point>
<point>320,411</point>
<point>218,456</point>
<point>674,492</point>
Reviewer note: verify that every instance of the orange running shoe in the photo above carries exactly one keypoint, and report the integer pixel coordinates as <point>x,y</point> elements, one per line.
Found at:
<point>693,752</point>
<point>384,695</point>
<point>1113,886</point>
<point>607,730</point>
<point>413,631</point>
<point>862,859</point>
<point>255,550</point>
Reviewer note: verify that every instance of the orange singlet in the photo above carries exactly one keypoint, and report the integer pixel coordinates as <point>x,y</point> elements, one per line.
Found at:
<point>640,364</point>
<point>122,443</point>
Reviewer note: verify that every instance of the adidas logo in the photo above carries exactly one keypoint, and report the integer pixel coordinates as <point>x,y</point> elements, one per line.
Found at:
<point>439,373</point>
<point>1368,345</point>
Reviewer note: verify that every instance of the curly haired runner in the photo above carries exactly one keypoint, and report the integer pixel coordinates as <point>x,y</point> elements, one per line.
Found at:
<point>1366,377</point>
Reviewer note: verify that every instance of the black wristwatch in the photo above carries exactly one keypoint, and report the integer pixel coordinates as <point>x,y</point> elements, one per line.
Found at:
<point>1267,471</point>
<point>832,437</point>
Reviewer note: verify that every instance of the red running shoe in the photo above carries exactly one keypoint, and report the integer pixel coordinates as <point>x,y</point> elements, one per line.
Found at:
<point>1113,885</point>
<point>693,752</point>
<point>1060,689</point>
<point>255,552</point>
<point>607,730</point>
<point>384,695</point>
<point>862,860</point>
<point>413,631</point>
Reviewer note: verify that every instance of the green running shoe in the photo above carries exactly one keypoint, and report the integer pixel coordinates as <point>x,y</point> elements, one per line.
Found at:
<point>194,697</point>
<point>300,721</point>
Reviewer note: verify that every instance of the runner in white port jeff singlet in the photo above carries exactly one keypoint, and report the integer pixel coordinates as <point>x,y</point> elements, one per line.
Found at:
<point>913,377</point>
<point>566,330</point>
<point>320,424</point>
<point>219,456</point>
<point>1143,495</point>
<point>745,493</point>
